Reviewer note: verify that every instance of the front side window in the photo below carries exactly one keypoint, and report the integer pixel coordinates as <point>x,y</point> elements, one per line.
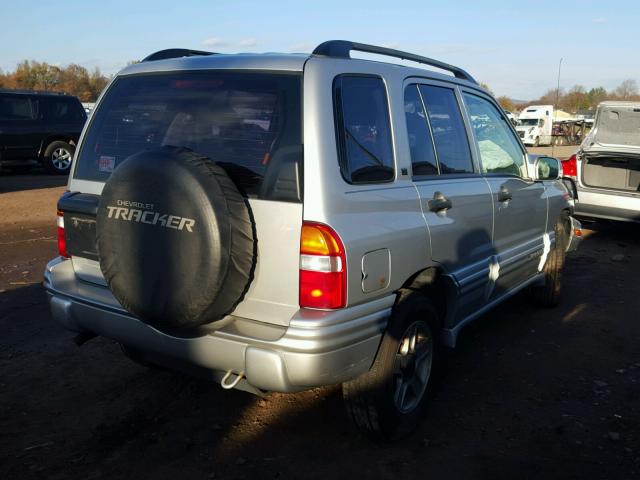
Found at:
<point>423,155</point>
<point>500,151</point>
<point>363,129</point>
<point>248,123</point>
<point>447,126</point>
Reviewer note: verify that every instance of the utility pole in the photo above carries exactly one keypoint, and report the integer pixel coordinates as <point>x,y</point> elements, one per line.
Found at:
<point>555,107</point>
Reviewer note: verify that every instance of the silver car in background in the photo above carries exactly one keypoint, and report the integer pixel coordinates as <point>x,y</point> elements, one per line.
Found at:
<point>605,172</point>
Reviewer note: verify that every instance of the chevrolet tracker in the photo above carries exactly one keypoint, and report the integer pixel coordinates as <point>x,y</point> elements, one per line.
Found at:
<point>283,222</point>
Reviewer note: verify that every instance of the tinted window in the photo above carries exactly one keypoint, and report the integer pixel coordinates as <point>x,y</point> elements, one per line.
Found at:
<point>423,157</point>
<point>15,107</point>
<point>249,123</point>
<point>64,109</point>
<point>449,134</point>
<point>364,135</point>
<point>500,151</point>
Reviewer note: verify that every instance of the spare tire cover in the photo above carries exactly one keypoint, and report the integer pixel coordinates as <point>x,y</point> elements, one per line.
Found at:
<point>175,238</point>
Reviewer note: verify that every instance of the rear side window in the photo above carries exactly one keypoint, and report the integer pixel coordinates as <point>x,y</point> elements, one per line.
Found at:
<point>15,107</point>
<point>363,129</point>
<point>248,123</point>
<point>449,134</point>
<point>423,156</point>
<point>64,110</point>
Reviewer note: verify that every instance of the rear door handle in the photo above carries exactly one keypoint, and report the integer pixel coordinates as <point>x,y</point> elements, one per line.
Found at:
<point>439,202</point>
<point>504,195</point>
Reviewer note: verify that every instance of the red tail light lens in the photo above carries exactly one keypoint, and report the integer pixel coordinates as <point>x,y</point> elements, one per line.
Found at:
<point>570,166</point>
<point>323,268</point>
<point>62,242</point>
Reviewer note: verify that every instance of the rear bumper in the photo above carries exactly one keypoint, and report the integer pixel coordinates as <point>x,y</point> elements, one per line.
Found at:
<point>611,205</point>
<point>317,348</point>
<point>607,213</point>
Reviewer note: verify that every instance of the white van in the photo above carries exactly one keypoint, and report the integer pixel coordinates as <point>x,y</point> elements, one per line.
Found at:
<point>534,125</point>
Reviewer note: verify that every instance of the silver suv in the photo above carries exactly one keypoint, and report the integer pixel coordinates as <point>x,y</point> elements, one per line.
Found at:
<point>283,222</point>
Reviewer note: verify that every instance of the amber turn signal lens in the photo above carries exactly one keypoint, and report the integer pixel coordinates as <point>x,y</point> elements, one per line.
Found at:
<point>317,239</point>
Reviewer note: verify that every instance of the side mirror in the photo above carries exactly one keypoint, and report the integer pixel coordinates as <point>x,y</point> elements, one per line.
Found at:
<point>547,168</point>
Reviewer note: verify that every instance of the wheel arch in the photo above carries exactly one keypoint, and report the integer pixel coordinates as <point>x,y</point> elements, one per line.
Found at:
<point>432,283</point>
<point>55,138</point>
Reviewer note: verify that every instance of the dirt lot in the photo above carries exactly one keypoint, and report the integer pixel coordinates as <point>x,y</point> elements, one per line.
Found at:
<point>529,393</point>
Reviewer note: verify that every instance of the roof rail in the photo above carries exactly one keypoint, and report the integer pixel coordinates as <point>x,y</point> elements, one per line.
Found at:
<point>343,48</point>
<point>175,53</point>
<point>32,92</point>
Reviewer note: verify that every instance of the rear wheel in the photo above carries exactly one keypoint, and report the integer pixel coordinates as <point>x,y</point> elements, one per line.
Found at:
<point>386,401</point>
<point>548,295</point>
<point>57,158</point>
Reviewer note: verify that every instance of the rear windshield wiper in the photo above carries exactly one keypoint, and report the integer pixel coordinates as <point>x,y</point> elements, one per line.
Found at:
<point>375,159</point>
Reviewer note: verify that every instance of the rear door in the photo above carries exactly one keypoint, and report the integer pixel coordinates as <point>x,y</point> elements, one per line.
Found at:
<point>455,199</point>
<point>519,203</point>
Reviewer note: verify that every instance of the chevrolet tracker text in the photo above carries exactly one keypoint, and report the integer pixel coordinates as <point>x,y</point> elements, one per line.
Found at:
<point>152,218</point>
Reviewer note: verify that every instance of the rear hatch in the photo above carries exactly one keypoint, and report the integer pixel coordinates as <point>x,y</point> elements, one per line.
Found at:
<point>611,157</point>
<point>247,122</point>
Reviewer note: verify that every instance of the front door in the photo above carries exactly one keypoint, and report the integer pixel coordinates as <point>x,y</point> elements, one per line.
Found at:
<point>519,203</point>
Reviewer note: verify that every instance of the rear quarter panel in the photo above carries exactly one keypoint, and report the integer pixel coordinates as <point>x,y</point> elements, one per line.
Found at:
<point>367,217</point>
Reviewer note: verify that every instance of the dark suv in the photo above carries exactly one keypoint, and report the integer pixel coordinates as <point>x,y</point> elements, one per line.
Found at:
<point>39,127</point>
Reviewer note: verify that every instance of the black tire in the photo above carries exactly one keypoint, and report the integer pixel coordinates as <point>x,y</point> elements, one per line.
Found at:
<point>548,295</point>
<point>183,254</point>
<point>370,399</point>
<point>57,157</point>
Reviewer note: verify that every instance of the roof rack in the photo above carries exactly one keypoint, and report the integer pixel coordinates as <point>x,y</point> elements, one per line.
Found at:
<point>343,48</point>
<point>32,92</point>
<point>175,53</point>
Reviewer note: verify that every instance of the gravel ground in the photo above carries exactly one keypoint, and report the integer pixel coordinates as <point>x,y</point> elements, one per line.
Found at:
<point>528,393</point>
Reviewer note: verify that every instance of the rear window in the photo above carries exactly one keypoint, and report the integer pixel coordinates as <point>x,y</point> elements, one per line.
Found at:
<point>248,123</point>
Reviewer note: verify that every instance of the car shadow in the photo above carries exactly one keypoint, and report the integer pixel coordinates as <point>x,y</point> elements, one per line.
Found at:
<point>35,179</point>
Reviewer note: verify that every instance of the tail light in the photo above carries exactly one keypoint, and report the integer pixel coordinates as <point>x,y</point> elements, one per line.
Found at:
<point>323,268</point>
<point>570,166</point>
<point>62,242</point>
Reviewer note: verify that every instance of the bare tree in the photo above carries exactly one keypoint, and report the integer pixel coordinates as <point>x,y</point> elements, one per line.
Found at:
<point>627,89</point>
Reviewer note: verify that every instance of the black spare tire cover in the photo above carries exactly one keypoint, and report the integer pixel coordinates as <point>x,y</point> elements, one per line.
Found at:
<point>175,238</point>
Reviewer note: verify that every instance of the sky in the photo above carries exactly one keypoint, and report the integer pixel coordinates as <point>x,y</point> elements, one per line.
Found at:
<point>514,47</point>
